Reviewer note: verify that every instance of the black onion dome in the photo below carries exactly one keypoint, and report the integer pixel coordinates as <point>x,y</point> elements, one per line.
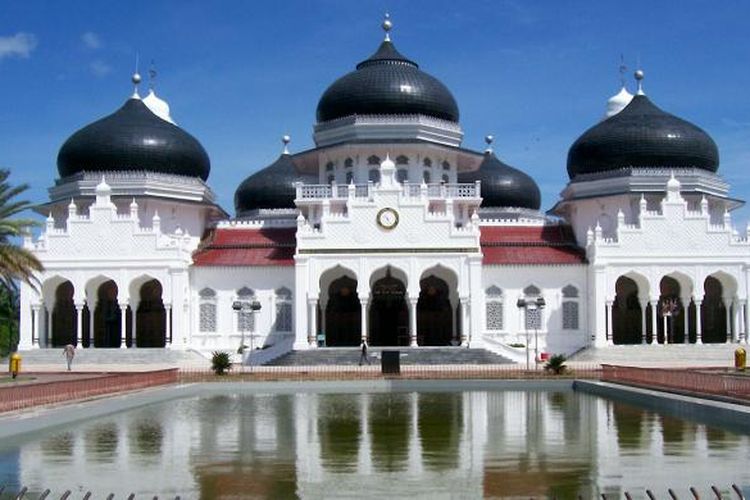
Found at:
<point>133,138</point>
<point>642,135</point>
<point>387,83</point>
<point>503,185</point>
<point>272,187</point>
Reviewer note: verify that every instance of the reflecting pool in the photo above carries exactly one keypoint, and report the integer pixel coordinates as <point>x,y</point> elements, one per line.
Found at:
<point>378,445</point>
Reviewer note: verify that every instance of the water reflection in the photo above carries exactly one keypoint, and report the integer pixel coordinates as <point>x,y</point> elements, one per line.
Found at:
<point>379,445</point>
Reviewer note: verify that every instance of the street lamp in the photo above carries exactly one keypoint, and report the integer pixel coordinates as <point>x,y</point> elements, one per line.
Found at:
<point>532,304</point>
<point>669,309</point>
<point>245,305</point>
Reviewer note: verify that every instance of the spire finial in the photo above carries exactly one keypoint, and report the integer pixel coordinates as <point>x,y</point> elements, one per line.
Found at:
<point>136,79</point>
<point>285,140</point>
<point>489,139</point>
<point>387,26</point>
<point>639,75</point>
<point>152,75</point>
<point>623,69</point>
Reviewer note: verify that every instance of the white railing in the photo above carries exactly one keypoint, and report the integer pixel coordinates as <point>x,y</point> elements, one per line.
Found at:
<point>333,191</point>
<point>365,191</point>
<point>442,190</point>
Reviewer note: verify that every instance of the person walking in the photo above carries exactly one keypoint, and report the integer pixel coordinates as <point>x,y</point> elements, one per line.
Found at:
<point>69,351</point>
<point>363,356</point>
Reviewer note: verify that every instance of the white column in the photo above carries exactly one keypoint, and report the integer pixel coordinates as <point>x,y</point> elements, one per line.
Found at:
<point>735,321</point>
<point>610,332</point>
<point>454,322</point>
<point>644,322</point>
<point>665,325</point>
<point>654,314</point>
<point>35,319</point>
<point>133,316</point>
<point>413,321</point>
<point>79,325</point>
<point>728,308</point>
<point>698,322</point>
<point>48,329</point>
<point>465,321</point>
<point>686,316</point>
<point>123,324</point>
<point>363,318</point>
<point>323,316</point>
<point>168,319</point>
<point>743,321</point>
<point>311,321</point>
<point>92,311</point>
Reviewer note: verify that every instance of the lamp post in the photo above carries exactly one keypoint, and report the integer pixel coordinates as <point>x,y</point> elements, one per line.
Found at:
<point>536,304</point>
<point>669,309</point>
<point>245,305</point>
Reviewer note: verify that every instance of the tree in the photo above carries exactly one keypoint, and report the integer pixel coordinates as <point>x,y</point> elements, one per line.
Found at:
<point>16,262</point>
<point>9,310</point>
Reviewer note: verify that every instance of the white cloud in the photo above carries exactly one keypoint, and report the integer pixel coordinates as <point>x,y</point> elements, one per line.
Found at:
<point>19,45</point>
<point>99,68</point>
<point>91,40</point>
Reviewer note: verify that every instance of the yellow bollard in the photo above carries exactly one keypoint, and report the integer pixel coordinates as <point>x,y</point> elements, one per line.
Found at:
<point>740,359</point>
<point>15,364</point>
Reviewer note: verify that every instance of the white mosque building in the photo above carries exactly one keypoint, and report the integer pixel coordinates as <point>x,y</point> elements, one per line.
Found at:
<point>389,231</point>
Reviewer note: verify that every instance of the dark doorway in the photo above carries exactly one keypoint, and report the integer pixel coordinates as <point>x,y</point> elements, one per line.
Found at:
<point>434,313</point>
<point>675,324</point>
<point>343,314</point>
<point>107,316</point>
<point>627,317</point>
<point>64,321</point>
<point>151,319</point>
<point>389,315</point>
<point>714,312</point>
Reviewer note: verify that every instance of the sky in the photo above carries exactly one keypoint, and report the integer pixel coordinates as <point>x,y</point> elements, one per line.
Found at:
<point>238,75</point>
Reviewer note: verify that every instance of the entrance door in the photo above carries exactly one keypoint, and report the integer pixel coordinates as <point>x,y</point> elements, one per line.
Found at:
<point>389,315</point>
<point>343,314</point>
<point>434,314</point>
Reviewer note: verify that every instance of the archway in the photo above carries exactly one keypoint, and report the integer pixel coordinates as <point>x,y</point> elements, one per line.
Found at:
<point>151,318</point>
<point>713,312</point>
<point>389,314</point>
<point>627,316</point>
<point>675,323</point>
<point>107,316</point>
<point>64,321</point>
<point>434,313</point>
<point>343,314</point>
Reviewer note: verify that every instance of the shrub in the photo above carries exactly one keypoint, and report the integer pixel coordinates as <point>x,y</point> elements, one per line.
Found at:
<point>220,362</point>
<point>517,345</point>
<point>556,365</point>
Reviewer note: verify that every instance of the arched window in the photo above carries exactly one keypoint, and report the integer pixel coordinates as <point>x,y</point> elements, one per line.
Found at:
<point>402,160</point>
<point>426,176</point>
<point>402,175</point>
<point>348,163</point>
<point>373,160</point>
<point>533,315</point>
<point>494,308</point>
<point>245,317</point>
<point>427,162</point>
<point>329,166</point>
<point>349,177</point>
<point>374,175</point>
<point>283,310</point>
<point>331,179</point>
<point>445,178</point>
<point>207,310</point>
<point>570,308</point>
<point>446,165</point>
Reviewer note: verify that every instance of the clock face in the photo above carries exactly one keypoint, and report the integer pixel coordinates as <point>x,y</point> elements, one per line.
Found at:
<point>387,218</point>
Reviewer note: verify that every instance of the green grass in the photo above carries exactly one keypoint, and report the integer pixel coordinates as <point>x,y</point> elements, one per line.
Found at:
<point>7,379</point>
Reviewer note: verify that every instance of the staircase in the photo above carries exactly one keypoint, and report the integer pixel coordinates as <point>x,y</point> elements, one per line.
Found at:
<point>655,355</point>
<point>103,357</point>
<point>339,356</point>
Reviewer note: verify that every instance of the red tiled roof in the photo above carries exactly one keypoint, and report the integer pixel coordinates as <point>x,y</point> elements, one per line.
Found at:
<point>531,245</point>
<point>247,247</point>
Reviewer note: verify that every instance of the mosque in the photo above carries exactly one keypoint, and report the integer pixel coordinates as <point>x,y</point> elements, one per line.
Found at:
<point>388,231</point>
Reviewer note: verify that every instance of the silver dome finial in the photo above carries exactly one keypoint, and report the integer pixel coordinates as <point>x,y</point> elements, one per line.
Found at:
<point>488,139</point>
<point>285,139</point>
<point>387,27</point>
<point>136,79</point>
<point>639,75</point>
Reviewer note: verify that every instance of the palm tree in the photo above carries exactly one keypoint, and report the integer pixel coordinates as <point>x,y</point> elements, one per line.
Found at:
<point>16,262</point>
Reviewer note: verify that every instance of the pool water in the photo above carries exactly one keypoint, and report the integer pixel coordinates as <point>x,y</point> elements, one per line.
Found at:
<point>379,445</point>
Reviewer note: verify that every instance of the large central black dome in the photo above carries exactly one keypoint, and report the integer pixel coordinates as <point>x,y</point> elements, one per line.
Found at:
<point>387,84</point>
<point>133,138</point>
<point>642,135</point>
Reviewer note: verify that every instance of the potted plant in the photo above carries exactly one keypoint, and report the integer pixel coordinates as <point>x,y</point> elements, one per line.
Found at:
<point>220,362</point>
<point>556,365</point>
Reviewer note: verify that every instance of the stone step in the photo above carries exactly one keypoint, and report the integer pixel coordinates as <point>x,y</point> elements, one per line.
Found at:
<point>685,354</point>
<point>409,356</point>
<point>106,356</point>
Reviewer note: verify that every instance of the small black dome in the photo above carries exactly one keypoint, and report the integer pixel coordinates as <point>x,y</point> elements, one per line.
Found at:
<point>133,138</point>
<point>272,187</point>
<point>387,83</point>
<point>503,185</point>
<point>642,135</point>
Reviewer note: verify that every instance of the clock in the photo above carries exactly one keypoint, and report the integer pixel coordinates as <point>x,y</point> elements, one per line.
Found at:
<point>387,218</point>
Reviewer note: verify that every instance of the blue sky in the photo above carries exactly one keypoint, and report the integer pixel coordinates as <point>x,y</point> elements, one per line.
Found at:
<point>238,74</point>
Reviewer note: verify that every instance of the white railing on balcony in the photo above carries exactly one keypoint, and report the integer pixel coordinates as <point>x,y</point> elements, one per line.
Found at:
<point>408,190</point>
<point>333,191</point>
<point>442,190</point>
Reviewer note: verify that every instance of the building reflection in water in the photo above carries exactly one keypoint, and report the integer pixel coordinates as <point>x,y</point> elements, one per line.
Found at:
<point>469,444</point>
